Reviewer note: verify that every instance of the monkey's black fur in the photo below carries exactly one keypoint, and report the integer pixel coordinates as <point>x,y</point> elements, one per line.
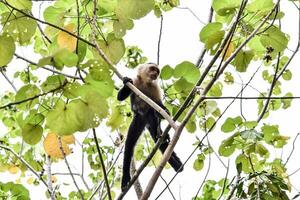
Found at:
<point>143,117</point>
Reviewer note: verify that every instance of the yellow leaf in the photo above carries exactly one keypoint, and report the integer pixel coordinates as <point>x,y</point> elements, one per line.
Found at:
<point>229,51</point>
<point>52,147</point>
<point>13,169</point>
<point>30,180</point>
<point>65,40</point>
<point>53,179</point>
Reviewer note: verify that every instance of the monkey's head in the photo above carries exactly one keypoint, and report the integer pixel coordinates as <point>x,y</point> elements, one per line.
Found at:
<point>148,72</point>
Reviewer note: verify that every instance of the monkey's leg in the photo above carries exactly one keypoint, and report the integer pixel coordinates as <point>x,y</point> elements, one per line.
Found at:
<point>153,125</point>
<point>135,129</point>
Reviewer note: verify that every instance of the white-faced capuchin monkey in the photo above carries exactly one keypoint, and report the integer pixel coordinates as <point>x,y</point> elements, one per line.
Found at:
<point>144,116</point>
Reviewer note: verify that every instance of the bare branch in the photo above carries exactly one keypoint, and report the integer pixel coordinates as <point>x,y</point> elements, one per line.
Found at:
<point>34,97</point>
<point>68,166</point>
<point>49,176</point>
<point>9,81</point>
<point>102,164</point>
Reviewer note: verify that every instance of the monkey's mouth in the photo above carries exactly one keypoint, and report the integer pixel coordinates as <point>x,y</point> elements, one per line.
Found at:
<point>153,76</point>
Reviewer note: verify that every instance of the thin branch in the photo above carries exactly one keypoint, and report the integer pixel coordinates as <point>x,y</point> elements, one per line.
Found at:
<point>159,38</point>
<point>69,169</point>
<point>26,164</point>
<point>225,180</point>
<point>251,98</point>
<point>34,97</point>
<point>137,185</point>
<point>46,68</point>
<point>112,167</point>
<point>49,176</point>
<point>178,131</point>
<point>192,12</point>
<point>9,81</point>
<point>102,164</point>
<point>264,110</point>
<point>200,59</point>
<point>292,151</point>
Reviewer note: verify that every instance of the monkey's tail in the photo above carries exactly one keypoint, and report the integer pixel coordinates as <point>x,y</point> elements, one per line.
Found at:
<point>176,163</point>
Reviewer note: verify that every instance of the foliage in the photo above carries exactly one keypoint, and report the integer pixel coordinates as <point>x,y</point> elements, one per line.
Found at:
<point>70,91</point>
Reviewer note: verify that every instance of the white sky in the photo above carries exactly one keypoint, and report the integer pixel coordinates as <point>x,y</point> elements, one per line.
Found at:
<point>180,42</point>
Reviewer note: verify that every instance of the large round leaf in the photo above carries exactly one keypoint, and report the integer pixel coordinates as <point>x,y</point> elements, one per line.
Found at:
<point>7,49</point>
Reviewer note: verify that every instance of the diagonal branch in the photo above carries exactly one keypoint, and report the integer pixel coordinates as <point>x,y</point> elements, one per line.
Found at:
<point>178,131</point>
<point>34,97</point>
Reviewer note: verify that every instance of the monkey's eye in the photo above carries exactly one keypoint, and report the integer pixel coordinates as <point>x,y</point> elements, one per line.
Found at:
<point>154,69</point>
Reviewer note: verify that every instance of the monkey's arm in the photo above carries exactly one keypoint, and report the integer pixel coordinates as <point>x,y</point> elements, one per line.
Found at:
<point>125,91</point>
<point>163,107</point>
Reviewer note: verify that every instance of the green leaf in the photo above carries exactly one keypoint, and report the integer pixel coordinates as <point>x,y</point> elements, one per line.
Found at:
<point>260,5</point>
<point>135,9</point>
<point>65,57</point>
<point>244,161</point>
<point>251,135</point>
<point>20,27</point>
<point>20,4</point>
<point>116,118</point>
<point>32,134</point>
<point>211,34</point>
<point>250,124</point>
<point>287,75</point>
<point>242,60</point>
<point>121,25</point>
<point>114,48</point>
<point>227,147</point>
<point>191,126</point>
<point>78,114</point>
<point>256,46</point>
<point>216,90</point>
<point>225,7</point>
<point>187,70</point>
<point>27,92</point>
<point>287,102</point>
<point>199,162</point>
<point>7,49</point>
<point>166,72</point>
<point>52,82</point>
<point>261,150</point>
<point>228,126</point>
<point>273,37</point>
<point>270,132</point>
<point>54,15</point>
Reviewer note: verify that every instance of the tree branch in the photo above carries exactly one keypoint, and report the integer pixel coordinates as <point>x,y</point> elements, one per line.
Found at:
<point>34,97</point>
<point>178,131</point>
<point>68,166</point>
<point>102,164</point>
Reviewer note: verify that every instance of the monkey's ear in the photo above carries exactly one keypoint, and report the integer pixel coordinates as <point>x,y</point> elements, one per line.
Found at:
<point>126,80</point>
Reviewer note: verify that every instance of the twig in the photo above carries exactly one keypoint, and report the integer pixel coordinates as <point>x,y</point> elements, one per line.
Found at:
<point>102,164</point>
<point>34,97</point>
<point>68,166</point>
<point>225,181</point>
<point>159,38</point>
<point>264,110</point>
<point>26,164</point>
<point>9,81</point>
<point>46,68</point>
<point>200,59</point>
<point>49,176</point>
<point>292,151</point>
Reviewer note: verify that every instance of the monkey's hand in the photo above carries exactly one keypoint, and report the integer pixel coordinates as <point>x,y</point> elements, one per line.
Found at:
<point>126,80</point>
